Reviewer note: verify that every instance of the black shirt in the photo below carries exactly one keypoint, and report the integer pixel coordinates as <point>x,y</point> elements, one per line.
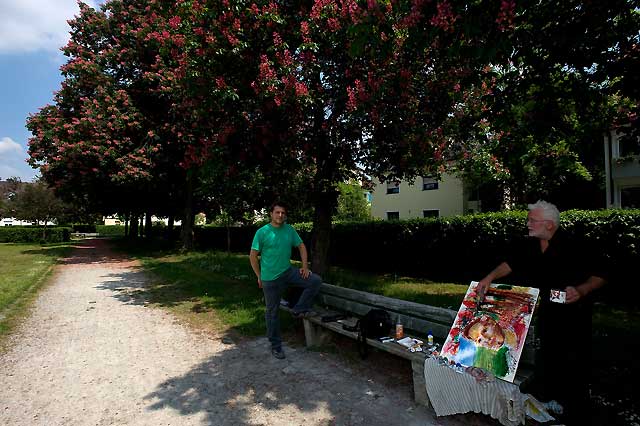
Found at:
<point>562,264</point>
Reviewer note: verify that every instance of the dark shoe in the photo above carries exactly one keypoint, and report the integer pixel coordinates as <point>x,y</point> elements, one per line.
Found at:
<point>304,314</point>
<point>278,353</point>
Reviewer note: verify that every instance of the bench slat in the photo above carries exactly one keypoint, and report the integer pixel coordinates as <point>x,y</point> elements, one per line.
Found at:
<point>434,313</point>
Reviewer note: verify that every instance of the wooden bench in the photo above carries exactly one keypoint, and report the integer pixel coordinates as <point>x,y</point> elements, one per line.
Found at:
<point>417,320</point>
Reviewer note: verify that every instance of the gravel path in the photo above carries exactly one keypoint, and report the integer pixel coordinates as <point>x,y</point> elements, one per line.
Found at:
<point>92,353</point>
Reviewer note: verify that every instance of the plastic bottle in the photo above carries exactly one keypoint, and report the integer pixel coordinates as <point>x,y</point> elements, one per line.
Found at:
<point>399,330</point>
<point>430,338</point>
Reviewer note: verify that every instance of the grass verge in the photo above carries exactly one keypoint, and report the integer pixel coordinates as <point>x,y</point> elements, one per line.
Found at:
<point>23,270</point>
<point>218,291</point>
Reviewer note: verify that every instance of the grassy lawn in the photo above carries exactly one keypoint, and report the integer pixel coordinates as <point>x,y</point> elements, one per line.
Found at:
<point>23,269</point>
<point>217,281</point>
<point>216,290</point>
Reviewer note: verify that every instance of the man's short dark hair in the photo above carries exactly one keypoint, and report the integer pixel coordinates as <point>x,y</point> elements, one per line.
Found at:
<point>278,203</point>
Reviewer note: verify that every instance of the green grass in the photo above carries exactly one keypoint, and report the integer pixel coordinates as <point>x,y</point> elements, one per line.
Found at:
<point>218,291</point>
<point>23,269</point>
<point>211,290</point>
<point>444,294</point>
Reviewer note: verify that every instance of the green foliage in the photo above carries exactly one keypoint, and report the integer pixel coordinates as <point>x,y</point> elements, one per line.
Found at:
<point>463,248</point>
<point>352,204</point>
<point>83,227</point>
<point>110,230</point>
<point>35,202</point>
<point>20,234</point>
<point>459,248</point>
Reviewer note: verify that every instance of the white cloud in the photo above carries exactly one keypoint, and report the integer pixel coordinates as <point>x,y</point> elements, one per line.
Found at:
<point>9,147</point>
<point>13,159</point>
<point>33,25</point>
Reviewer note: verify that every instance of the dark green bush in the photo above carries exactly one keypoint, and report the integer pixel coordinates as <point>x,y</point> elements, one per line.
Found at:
<point>459,248</point>
<point>215,237</point>
<point>83,228</point>
<point>19,234</point>
<point>110,230</point>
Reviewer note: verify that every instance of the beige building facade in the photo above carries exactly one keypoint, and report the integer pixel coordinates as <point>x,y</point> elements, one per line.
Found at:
<point>423,197</point>
<point>622,172</point>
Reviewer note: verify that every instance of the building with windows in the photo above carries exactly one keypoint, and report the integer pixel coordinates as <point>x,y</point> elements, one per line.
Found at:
<point>424,197</point>
<point>622,171</point>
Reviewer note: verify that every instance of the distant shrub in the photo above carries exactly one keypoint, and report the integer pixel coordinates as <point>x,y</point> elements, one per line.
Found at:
<point>110,230</point>
<point>83,227</point>
<point>19,234</point>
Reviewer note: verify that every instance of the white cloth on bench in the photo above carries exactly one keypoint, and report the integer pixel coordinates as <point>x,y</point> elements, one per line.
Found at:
<point>455,393</point>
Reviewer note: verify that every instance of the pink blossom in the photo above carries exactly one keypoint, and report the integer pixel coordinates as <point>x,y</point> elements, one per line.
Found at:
<point>277,40</point>
<point>351,99</point>
<point>506,15</point>
<point>174,22</point>
<point>445,18</point>
<point>301,89</point>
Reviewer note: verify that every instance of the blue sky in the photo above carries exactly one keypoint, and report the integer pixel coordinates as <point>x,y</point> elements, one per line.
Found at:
<point>31,34</point>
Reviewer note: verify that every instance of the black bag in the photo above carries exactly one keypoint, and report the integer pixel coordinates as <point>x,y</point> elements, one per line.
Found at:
<point>376,323</point>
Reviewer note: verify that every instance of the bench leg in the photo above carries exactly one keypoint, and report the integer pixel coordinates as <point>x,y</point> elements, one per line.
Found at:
<point>419,385</point>
<point>315,335</point>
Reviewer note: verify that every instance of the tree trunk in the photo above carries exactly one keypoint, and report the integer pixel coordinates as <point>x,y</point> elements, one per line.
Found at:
<point>133,229</point>
<point>147,225</point>
<point>170,223</point>
<point>141,225</point>
<point>187,221</point>
<point>228,223</point>
<point>127,217</point>
<point>322,232</point>
<point>325,194</point>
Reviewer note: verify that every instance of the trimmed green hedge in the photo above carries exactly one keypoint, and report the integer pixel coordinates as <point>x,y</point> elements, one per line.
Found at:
<point>110,230</point>
<point>459,248</point>
<point>19,234</point>
<point>83,227</point>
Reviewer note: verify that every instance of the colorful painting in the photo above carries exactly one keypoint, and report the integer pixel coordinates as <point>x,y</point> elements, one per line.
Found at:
<point>490,335</point>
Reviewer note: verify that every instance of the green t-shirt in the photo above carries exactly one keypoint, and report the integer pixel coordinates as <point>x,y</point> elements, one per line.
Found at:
<point>274,245</point>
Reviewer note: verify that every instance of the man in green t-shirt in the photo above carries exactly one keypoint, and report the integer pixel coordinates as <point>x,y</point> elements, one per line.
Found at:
<point>273,243</point>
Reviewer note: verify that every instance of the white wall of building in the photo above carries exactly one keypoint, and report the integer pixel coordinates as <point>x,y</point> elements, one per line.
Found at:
<point>412,200</point>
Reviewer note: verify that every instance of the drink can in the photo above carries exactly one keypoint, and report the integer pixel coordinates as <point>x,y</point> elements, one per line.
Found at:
<point>399,331</point>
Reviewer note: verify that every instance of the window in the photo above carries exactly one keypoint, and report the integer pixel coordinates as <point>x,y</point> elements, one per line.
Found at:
<point>429,183</point>
<point>393,215</point>
<point>393,187</point>
<point>630,198</point>
<point>431,213</point>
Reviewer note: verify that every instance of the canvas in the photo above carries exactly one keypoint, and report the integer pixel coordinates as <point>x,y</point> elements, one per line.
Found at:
<point>491,336</point>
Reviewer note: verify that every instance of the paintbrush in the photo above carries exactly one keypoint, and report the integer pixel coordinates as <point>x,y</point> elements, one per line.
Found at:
<point>481,293</point>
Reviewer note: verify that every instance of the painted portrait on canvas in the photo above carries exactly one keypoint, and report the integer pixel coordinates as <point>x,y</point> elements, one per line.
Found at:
<point>491,335</point>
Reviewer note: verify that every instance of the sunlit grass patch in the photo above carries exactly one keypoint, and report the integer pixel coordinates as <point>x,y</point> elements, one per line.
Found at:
<point>23,269</point>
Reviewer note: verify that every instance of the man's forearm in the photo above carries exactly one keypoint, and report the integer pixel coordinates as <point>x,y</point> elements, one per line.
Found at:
<point>303,256</point>
<point>255,264</point>
<point>502,270</point>
<point>591,284</point>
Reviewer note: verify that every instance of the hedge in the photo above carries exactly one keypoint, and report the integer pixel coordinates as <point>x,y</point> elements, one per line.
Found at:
<point>19,234</point>
<point>83,228</point>
<point>459,248</point>
<point>110,230</point>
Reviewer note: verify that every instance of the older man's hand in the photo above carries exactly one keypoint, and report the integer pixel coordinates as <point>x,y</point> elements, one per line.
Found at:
<point>573,295</point>
<point>481,289</point>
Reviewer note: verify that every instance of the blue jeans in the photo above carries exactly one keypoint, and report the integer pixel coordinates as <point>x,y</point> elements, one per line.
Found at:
<point>273,291</point>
